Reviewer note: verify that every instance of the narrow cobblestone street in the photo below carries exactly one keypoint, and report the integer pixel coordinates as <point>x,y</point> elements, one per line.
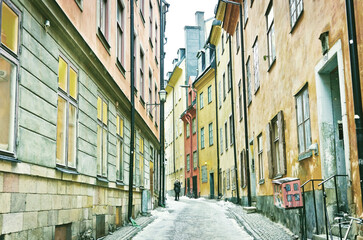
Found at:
<point>193,219</point>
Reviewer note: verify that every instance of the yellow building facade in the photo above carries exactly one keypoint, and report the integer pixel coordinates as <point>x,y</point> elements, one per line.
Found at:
<point>174,132</point>
<point>204,84</point>
<point>299,102</point>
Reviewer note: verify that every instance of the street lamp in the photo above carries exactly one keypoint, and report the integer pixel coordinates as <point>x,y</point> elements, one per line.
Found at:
<point>162,98</point>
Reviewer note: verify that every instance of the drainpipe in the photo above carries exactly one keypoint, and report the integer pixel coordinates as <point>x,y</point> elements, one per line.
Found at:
<point>233,125</point>
<point>354,66</point>
<point>132,96</point>
<point>245,110</point>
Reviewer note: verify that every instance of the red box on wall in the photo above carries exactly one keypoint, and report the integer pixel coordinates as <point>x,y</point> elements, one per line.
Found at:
<point>287,193</point>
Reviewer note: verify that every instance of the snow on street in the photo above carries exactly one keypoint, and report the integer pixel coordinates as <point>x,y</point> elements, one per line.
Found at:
<point>193,219</point>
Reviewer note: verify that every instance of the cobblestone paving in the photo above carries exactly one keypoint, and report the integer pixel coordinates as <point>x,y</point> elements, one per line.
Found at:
<point>259,226</point>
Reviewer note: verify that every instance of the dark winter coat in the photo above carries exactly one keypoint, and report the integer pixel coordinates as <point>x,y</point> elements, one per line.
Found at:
<point>177,187</point>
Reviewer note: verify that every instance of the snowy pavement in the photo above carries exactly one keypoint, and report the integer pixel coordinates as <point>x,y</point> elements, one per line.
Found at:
<point>193,219</point>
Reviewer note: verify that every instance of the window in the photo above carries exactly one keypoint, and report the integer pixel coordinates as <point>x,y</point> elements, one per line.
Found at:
<point>233,178</point>
<point>220,93</point>
<point>256,65</point>
<point>238,40</point>
<point>222,43</point>
<point>209,94</point>
<point>135,68</point>
<point>245,11</point>
<point>228,179</point>
<point>120,33</point>
<point>201,100</point>
<point>296,8</point>
<point>8,76</point>
<point>270,34</point>
<point>119,147</point>
<point>229,67</point>
<point>260,160</point>
<point>276,146</point>
<point>224,86</point>
<point>231,133</point>
<point>102,136</point>
<point>141,160</point>
<point>303,120</point>
<point>204,174</point>
<point>142,92</point>
<point>156,41</point>
<point>156,99</point>
<point>103,18</point>
<point>194,126</point>
<point>142,9</point>
<point>210,134</point>
<point>202,138</point>
<point>10,26</point>
<point>67,114</point>
<point>226,134</point>
<point>151,21</point>
<point>240,99</point>
<point>195,160</point>
<point>150,91</point>
<point>221,140</point>
<point>187,130</point>
<point>248,70</point>
<point>188,162</point>
<point>243,168</point>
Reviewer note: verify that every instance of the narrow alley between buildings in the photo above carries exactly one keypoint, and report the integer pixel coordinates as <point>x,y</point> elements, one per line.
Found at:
<point>202,218</point>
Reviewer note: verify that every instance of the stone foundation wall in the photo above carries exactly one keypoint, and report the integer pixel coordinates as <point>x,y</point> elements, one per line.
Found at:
<point>32,206</point>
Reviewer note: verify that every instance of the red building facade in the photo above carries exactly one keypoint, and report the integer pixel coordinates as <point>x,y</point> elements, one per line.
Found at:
<point>189,118</point>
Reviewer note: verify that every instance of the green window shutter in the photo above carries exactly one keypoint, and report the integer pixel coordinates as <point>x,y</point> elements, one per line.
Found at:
<point>269,152</point>
<point>282,150</point>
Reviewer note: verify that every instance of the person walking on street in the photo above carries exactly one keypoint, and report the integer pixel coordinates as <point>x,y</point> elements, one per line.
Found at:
<point>177,189</point>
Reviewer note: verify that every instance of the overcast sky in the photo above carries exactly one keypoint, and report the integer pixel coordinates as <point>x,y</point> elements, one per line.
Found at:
<point>182,13</point>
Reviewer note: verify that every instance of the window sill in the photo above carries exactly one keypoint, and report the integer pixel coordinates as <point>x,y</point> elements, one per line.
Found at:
<point>142,102</point>
<point>102,179</point>
<point>142,17</point>
<point>245,23</point>
<point>103,40</point>
<point>241,119</point>
<point>194,133</point>
<point>120,183</point>
<point>79,4</point>
<point>305,155</point>
<point>151,116</point>
<point>156,60</point>
<point>9,158</point>
<point>238,48</point>
<point>120,67</point>
<point>278,176</point>
<point>271,65</point>
<point>210,145</point>
<point>262,181</point>
<point>64,169</point>
<point>151,43</point>
<point>256,91</point>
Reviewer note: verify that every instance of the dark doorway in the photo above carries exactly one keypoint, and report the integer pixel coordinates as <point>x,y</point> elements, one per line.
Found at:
<point>195,187</point>
<point>211,182</point>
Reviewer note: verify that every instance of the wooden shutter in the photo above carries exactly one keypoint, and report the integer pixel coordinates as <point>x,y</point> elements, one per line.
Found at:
<point>269,152</point>
<point>281,126</point>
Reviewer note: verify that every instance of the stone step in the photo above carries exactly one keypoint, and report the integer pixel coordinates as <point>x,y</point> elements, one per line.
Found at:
<point>250,209</point>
